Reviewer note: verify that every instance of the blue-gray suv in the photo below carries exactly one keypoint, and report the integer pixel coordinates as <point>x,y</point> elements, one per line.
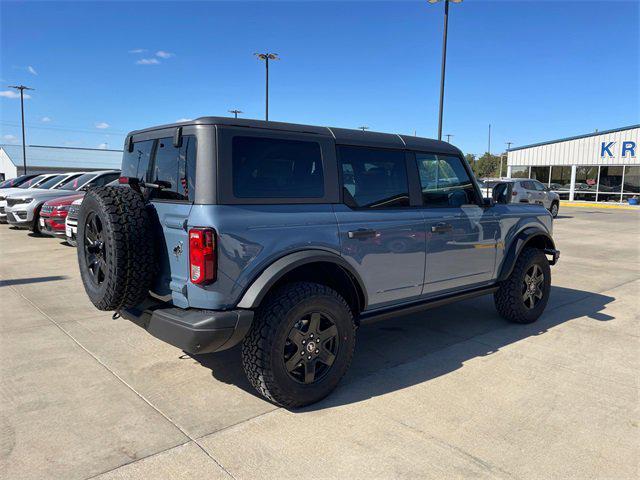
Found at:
<point>285,238</point>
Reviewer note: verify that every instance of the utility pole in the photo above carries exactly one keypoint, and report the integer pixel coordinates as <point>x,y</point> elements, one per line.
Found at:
<point>235,112</point>
<point>444,60</point>
<point>266,57</point>
<point>489,144</point>
<point>448,135</point>
<point>22,88</point>
<point>363,128</point>
<point>508,148</point>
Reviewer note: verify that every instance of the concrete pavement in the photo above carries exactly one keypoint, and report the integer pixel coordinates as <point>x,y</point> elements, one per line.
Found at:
<point>455,392</point>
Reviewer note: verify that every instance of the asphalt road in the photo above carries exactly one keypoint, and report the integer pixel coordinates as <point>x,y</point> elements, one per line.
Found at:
<point>454,392</point>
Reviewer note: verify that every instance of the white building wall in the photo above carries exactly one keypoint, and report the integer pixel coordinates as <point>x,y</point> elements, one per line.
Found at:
<point>581,151</point>
<point>6,165</point>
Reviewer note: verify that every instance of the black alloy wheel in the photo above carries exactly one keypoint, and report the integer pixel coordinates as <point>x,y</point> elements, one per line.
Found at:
<point>532,285</point>
<point>95,251</point>
<point>311,348</point>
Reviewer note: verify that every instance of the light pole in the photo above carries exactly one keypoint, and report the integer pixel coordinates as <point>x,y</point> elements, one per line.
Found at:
<point>235,112</point>
<point>448,135</point>
<point>508,148</point>
<point>22,88</point>
<point>444,59</point>
<point>266,57</point>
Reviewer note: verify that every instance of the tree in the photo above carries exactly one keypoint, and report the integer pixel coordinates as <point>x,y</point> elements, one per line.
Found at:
<point>487,166</point>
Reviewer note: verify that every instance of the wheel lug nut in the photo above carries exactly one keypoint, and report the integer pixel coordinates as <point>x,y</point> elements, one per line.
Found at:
<point>312,335</point>
<point>309,357</point>
<point>317,351</point>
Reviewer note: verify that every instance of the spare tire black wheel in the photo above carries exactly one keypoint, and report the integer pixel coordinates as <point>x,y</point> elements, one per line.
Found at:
<point>115,247</point>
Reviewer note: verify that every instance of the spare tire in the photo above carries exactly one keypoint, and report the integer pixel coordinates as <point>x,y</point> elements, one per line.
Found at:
<point>115,247</point>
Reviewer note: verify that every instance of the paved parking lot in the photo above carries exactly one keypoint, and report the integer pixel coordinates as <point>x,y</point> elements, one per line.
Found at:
<point>454,392</point>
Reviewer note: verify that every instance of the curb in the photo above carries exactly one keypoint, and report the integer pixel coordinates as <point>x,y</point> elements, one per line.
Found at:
<point>598,205</point>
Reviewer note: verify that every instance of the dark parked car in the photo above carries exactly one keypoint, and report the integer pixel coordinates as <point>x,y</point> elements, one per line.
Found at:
<point>285,238</point>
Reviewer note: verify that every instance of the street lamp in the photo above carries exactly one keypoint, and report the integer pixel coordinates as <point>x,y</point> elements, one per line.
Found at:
<point>235,112</point>
<point>22,88</point>
<point>266,57</point>
<point>448,135</point>
<point>444,59</point>
<point>363,128</point>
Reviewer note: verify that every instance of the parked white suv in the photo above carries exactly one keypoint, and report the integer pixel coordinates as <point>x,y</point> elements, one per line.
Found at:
<point>525,190</point>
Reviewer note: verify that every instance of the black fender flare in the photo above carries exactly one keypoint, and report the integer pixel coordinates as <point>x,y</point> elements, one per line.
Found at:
<point>520,241</point>
<point>274,272</point>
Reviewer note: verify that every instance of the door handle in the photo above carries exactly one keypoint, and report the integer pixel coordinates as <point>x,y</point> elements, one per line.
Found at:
<point>441,227</point>
<point>362,233</point>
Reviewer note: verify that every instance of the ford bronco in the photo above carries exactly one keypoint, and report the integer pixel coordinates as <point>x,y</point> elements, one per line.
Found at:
<point>285,238</point>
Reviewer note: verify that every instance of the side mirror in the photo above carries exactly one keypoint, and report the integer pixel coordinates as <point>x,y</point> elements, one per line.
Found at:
<point>501,193</point>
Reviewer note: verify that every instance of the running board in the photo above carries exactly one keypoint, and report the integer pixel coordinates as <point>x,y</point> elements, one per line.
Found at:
<point>425,305</point>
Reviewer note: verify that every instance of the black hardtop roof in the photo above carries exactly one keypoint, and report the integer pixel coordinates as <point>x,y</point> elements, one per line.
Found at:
<point>344,136</point>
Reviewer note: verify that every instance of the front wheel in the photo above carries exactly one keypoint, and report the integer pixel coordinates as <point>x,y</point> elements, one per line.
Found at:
<point>554,209</point>
<point>300,344</point>
<point>523,296</point>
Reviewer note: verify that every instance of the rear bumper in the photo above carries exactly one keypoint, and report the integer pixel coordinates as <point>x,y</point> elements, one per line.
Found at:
<point>192,330</point>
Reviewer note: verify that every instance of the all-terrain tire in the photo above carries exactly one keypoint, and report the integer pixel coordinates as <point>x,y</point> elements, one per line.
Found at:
<point>128,247</point>
<point>262,349</point>
<point>509,297</point>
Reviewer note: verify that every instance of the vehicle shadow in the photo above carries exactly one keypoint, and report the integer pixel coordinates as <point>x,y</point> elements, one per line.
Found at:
<point>402,340</point>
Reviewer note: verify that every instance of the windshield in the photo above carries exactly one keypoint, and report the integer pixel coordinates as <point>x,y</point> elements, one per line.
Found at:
<point>31,182</point>
<point>76,182</point>
<point>51,182</point>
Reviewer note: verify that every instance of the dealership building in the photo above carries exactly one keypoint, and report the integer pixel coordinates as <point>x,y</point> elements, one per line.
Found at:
<point>600,167</point>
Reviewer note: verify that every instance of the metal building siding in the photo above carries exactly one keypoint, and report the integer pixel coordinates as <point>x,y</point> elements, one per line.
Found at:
<point>580,151</point>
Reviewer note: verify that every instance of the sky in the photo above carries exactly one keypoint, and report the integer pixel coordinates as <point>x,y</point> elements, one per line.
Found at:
<point>534,70</point>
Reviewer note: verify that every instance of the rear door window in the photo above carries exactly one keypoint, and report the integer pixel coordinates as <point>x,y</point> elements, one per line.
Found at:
<point>374,177</point>
<point>276,168</point>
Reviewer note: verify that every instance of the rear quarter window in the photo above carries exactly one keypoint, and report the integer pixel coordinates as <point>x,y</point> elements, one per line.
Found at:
<point>276,168</point>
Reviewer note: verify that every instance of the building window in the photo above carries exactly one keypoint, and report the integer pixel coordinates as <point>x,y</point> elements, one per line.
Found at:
<point>519,171</point>
<point>610,184</point>
<point>586,183</point>
<point>541,174</point>
<point>631,180</point>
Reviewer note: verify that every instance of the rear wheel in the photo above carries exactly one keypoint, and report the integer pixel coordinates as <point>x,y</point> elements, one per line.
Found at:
<point>524,295</point>
<point>300,345</point>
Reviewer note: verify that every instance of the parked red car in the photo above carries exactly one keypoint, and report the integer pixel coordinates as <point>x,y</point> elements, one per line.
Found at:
<point>53,214</point>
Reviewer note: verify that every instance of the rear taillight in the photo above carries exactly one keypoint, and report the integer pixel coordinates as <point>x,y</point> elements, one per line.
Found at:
<point>202,256</point>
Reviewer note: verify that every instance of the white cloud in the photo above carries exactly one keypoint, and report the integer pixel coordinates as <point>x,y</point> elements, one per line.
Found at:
<point>164,54</point>
<point>10,138</point>
<point>102,125</point>
<point>13,94</point>
<point>45,119</point>
<point>148,61</point>
<point>183,120</point>
<point>32,70</point>
<point>103,146</point>
<point>138,50</point>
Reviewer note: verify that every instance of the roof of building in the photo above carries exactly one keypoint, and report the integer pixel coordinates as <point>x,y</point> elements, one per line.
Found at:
<point>586,135</point>
<point>341,135</point>
<point>65,157</point>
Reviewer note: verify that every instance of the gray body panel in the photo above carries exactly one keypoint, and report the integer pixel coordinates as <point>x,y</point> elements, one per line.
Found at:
<point>405,257</point>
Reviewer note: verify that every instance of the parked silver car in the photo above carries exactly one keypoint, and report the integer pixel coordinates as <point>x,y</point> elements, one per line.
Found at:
<point>23,210</point>
<point>525,190</point>
<point>34,182</point>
